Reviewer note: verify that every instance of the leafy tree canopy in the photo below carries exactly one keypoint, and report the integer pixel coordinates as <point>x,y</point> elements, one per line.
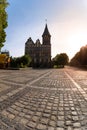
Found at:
<point>3,21</point>
<point>60,59</point>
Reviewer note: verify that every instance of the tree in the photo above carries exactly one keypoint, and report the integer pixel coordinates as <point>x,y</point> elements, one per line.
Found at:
<point>80,58</point>
<point>63,59</point>
<point>3,22</point>
<point>60,59</point>
<point>26,60</point>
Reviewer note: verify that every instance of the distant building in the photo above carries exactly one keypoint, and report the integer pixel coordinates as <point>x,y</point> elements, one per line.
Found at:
<point>40,53</point>
<point>6,52</point>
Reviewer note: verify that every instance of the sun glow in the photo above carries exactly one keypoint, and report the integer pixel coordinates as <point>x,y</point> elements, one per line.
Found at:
<point>76,41</point>
<point>68,38</point>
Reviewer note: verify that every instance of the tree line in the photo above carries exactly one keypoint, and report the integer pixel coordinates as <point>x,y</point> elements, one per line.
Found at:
<point>80,58</point>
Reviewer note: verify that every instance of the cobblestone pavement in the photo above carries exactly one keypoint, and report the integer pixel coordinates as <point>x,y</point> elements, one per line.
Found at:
<point>48,99</point>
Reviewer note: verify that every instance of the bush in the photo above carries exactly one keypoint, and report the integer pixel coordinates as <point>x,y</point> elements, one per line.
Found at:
<point>55,66</point>
<point>21,62</point>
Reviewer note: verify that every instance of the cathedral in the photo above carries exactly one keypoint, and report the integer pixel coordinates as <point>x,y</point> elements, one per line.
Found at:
<point>40,53</point>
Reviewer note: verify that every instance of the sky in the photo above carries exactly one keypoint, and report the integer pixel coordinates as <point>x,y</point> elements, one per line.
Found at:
<point>66,20</point>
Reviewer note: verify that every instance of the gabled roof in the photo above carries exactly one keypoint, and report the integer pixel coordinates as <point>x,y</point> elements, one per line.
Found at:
<point>46,31</point>
<point>38,43</point>
<point>29,41</point>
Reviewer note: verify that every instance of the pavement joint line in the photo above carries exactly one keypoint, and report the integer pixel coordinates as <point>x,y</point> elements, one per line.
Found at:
<point>21,84</point>
<point>36,87</point>
<point>15,92</point>
<point>38,78</point>
<point>11,83</point>
<point>78,86</point>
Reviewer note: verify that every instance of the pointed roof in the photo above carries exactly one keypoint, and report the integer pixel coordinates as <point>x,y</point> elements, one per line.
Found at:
<point>46,31</point>
<point>29,41</point>
<point>37,43</point>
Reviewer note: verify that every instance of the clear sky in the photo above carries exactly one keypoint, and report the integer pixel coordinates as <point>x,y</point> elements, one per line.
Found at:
<point>66,20</point>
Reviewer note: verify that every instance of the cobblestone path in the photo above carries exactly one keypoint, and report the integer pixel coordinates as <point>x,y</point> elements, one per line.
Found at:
<point>48,99</point>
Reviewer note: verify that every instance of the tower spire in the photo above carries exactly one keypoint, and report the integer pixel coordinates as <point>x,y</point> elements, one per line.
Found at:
<point>46,36</point>
<point>46,21</point>
<point>46,31</point>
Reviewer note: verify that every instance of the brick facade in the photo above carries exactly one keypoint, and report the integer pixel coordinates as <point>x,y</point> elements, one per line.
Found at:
<point>40,53</point>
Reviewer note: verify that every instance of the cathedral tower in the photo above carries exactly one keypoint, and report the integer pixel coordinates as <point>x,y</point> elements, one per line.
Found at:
<point>46,44</point>
<point>46,36</point>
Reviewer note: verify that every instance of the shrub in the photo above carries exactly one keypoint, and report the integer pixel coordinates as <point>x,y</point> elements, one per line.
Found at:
<point>21,62</point>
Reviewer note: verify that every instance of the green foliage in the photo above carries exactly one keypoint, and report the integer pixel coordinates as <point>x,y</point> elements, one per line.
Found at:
<point>21,62</point>
<point>55,66</point>
<point>60,60</point>
<point>3,21</point>
<point>63,59</point>
<point>25,60</point>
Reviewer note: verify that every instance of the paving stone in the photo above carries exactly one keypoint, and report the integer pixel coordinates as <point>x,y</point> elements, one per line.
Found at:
<point>35,118</point>
<point>52,123</point>
<point>10,128</point>
<point>46,115</point>
<point>44,120</point>
<point>60,117</point>
<point>23,121</point>
<point>51,128</point>
<point>51,99</point>
<point>75,118</point>
<point>38,113</point>
<point>69,128</point>
<point>31,124</point>
<point>74,113</point>
<point>17,119</point>
<point>77,124</point>
<point>21,114</point>
<point>5,113</point>
<point>11,116</point>
<point>61,113</point>
<point>53,118</point>
<point>41,127</point>
<point>77,129</point>
<point>60,123</point>
<point>15,112</point>
<point>59,128</point>
<point>68,123</point>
